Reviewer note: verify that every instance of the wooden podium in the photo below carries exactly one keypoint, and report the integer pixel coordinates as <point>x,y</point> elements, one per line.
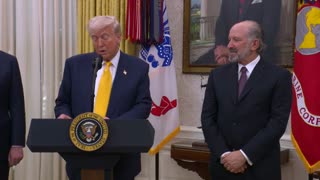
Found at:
<point>195,156</point>
<point>125,136</point>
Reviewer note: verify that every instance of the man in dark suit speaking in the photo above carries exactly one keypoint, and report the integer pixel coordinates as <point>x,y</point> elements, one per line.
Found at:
<point>12,114</point>
<point>246,110</point>
<point>121,88</point>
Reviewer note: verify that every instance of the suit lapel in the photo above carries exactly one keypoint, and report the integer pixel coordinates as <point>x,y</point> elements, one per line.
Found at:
<point>254,79</point>
<point>234,82</point>
<point>121,70</point>
<point>87,79</point>
<point>118,81</point>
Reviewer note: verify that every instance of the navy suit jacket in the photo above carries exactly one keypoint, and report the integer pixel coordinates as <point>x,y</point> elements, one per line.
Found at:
<point>266,13</point>
<point>12,110</point>
<point>253,122</point>
<point>129,98</point>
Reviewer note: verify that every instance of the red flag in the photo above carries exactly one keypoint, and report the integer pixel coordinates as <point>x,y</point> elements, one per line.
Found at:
<point>305,113</point>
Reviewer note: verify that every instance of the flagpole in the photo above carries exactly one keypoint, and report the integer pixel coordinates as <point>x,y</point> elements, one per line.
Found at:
<point>311,176</point>
<point>157,166</point>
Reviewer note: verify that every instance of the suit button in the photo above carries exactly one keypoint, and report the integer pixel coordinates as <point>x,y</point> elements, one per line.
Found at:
<point>234,124</point>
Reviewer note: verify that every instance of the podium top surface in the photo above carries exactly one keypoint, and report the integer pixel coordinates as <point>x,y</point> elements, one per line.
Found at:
<point>125,136</point>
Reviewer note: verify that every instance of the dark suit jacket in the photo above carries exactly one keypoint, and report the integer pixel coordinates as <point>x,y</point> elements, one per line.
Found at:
<point>129,99</point>
<point>254,122</point>
<point>266,13</point>
<point>12,111</point>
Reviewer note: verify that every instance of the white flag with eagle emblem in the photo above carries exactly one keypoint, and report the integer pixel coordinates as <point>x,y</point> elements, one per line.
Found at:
<point>164,115</point>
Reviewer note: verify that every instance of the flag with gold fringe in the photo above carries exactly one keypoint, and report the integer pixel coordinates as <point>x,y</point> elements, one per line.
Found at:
<point>163,87</point>
<point>305,113</point>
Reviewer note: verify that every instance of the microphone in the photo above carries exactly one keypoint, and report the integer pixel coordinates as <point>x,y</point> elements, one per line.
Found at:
<point>96,65</point>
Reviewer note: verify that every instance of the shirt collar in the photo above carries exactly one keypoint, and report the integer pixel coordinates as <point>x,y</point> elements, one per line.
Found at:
<point>114,60</point>
<point>251,65</point>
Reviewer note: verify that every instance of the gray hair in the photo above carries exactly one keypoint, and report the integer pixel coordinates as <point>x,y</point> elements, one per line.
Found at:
<point>255,32</point>
<point>100,22</point>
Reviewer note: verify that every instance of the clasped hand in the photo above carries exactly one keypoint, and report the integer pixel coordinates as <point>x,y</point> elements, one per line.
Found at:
<point>234,162</point>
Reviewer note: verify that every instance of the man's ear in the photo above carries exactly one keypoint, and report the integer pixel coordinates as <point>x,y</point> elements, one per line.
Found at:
<point>119,38</point>
<point>255,44</point>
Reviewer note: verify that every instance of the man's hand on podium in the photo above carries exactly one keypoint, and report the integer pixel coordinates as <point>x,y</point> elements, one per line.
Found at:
<point>64,116</point>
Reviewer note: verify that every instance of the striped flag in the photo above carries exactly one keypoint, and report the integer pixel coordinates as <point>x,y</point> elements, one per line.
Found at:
<point>163,87</point>
<point>305,113</point>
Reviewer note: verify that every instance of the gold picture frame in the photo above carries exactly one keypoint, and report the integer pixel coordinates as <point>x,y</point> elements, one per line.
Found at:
<point>192,49</point>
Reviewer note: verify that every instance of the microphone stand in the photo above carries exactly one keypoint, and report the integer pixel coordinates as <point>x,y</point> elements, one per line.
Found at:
<point>97,64</point>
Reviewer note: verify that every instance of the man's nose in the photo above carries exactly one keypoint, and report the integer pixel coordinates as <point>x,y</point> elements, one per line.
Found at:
<point>99,42</point>
<point>230,45</point>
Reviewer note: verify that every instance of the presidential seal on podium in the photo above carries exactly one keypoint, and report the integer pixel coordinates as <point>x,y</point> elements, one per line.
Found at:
<point>88,131</point>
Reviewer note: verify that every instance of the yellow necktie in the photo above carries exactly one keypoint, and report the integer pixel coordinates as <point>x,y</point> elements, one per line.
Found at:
<point>104,89</point>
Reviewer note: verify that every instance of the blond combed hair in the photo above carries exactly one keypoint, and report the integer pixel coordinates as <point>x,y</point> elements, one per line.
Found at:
<point>99,22</point>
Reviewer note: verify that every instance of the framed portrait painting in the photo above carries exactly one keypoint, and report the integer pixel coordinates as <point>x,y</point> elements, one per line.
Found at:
<point>204,30</point>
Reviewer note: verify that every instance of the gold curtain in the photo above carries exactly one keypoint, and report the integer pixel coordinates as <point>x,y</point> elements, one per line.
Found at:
<point>87,9</point>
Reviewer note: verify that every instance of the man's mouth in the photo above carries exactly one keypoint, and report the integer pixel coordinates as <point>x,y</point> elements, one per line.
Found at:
<point>102,51</point>
<point>232,50</point>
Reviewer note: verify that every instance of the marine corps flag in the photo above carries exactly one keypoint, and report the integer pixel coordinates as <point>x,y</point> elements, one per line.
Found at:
<point>305,113</point>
